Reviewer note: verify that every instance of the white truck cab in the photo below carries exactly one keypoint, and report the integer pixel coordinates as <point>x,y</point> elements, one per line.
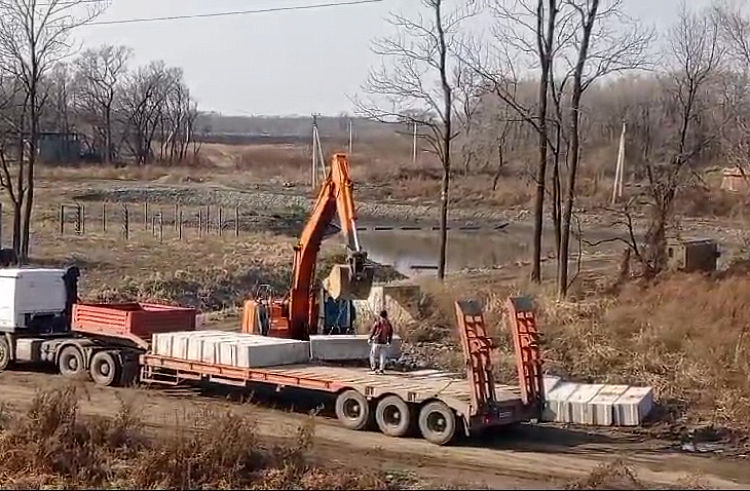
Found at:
<point>29,293</point>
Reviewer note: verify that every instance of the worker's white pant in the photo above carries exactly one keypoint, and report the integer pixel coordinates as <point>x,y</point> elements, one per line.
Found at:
<point>378,353</point>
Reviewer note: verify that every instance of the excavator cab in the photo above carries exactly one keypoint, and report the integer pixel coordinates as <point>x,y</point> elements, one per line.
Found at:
<point>351,281</point>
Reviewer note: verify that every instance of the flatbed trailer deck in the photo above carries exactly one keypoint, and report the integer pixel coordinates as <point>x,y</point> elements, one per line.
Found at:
<point>437,403</point>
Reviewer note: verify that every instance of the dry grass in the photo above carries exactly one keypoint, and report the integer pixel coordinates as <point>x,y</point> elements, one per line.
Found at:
<point>51,445</point>
<point>619,475</point>
<point>685,335</point>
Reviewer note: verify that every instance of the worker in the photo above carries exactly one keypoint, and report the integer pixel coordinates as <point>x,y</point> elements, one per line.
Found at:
<point>380,339</point>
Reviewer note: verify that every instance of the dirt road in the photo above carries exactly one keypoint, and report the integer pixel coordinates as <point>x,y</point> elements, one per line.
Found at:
<point>524,459</point>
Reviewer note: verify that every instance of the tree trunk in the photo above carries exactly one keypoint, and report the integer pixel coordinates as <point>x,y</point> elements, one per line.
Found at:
<point>446,143</point>
<point>575,149</point>
<point>442,260</point>
<point>108,135</point>
<point>545,41</point>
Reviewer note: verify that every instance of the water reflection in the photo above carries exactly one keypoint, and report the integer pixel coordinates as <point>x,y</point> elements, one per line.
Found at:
<point>416,253</point>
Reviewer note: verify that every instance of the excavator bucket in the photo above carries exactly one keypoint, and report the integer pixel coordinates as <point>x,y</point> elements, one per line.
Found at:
<point>345,283</point>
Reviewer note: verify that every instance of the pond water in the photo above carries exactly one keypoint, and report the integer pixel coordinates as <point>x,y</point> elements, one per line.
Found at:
<point>415,253</point>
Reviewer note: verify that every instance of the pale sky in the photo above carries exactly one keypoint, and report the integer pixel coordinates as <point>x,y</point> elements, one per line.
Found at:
<point>279,63</point>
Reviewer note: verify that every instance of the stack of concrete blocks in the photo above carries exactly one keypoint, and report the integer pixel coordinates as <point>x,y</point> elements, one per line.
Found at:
<point>347,347</point>
<point>230,349</point>
<point>596,404</point>
<point>401,302</point>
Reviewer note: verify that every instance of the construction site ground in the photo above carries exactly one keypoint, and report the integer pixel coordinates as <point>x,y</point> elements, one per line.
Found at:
<point>519,458</point>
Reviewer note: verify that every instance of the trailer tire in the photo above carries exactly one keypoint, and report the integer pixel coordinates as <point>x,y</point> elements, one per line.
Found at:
<point>393,416</point>
<point>70,362</point>
<point>353,410</point>
<point>5,354</point>
<point>437,423</point>
<point>105,368</point>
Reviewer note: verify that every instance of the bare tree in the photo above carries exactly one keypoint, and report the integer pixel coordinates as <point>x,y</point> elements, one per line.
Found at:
<point>34,36</point>
<point>696,55</point>
<point>525,34</point>
<point>99,76</point>
<point>144,105</point>
<point>420,87</point>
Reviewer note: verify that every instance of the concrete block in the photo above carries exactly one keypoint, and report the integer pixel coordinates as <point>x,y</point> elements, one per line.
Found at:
<point>210,348</point>
<point>580,408</point>
<point>603,404</point>
<point>252,354</point>
<point>347,347</point>
<point>633,406</point>
<point>196,343</point>
<point>556,407</point>
<point>550,382</point>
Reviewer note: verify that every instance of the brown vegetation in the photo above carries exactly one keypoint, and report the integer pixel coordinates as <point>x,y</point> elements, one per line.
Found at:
<point>52,445</point>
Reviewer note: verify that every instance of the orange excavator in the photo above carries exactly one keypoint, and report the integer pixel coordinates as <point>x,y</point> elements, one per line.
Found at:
<point>295,316</point>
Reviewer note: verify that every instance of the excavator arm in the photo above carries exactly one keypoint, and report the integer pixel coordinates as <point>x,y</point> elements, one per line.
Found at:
<point>350,280</point>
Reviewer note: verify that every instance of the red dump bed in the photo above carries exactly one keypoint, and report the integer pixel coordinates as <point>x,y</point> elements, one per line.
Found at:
<point>133,321</point>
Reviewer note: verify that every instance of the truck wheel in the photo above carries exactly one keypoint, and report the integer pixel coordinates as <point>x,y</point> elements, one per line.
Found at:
<point>393,416</point>
<point>105,368</point>
<point>5,361</point>
<point>70,362</point>
<point>353,410</point>
<point>437,422</point>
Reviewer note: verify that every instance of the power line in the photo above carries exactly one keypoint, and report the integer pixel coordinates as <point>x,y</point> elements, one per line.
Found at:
<point>230,13</point>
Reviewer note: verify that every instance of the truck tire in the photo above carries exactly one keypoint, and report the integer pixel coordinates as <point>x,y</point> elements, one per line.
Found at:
<point>70,362</point>
<point>353,410</point>
<point>437,423</point>
<point>5,358</point>
<point>105,368</point>
<point>393,416</point>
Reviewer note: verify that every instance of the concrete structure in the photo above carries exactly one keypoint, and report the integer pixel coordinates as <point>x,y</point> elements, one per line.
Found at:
<point>401,302</point>
<point>596,404</point>
<point>633,406</point>
<point>231,349</point>
<point>581,411</point>
<point>557,408</point>
<point>604,402</point>
<point>692,255</point>
<point>347,347</point>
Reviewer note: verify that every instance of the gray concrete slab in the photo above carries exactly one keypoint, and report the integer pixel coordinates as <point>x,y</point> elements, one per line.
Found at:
<point>580,408</point>
<point>556,407</point>
<point>603,404</point>
<point>633,406</point>
<point>347,347</point>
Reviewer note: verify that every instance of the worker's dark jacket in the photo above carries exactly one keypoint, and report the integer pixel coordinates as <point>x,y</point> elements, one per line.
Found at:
<point>382,331</point>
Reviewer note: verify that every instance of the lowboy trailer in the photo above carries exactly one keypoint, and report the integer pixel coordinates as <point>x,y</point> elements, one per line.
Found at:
<point>41,321</point>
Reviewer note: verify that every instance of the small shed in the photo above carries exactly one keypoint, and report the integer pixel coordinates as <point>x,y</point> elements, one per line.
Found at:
<point>59,147</point>
<point>734,180</point>
<point>691,255</point>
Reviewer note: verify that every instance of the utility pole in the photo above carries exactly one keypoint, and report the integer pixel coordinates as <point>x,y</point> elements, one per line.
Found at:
<point>620,167</point>
<point>314,149</point>
<point>351,135</point>
<point>414,152</point>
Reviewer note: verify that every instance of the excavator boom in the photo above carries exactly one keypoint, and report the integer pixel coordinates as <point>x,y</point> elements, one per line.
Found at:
<point>349,281</point>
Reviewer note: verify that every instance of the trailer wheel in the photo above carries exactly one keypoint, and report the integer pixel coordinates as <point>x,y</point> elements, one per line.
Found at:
<point>5,360</point>
<point>353,410</point>
<point>105,368</point>
<point>393,416</point>
<point>437,422</point>
<point>70,362</point>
